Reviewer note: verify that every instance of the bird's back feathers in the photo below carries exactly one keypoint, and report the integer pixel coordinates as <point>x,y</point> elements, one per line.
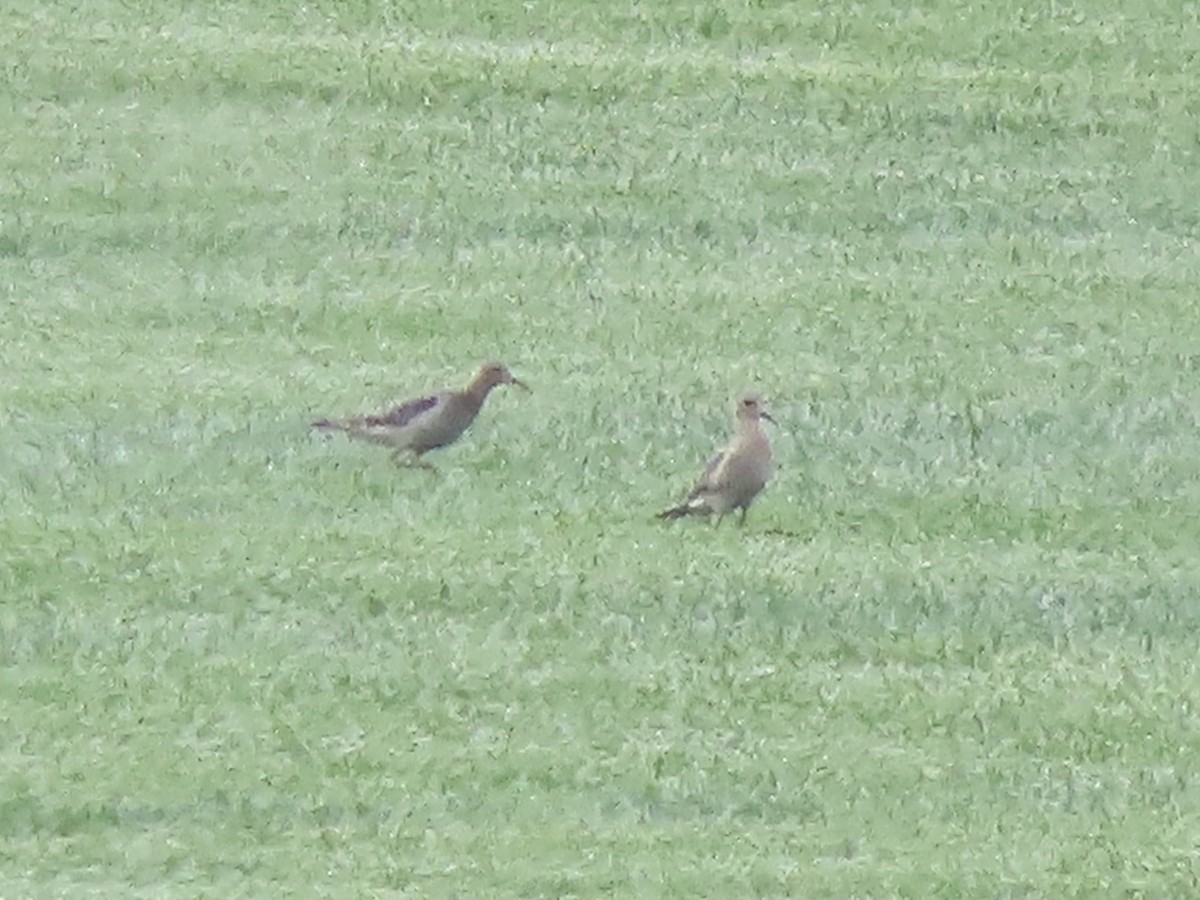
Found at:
<point>401,415</point>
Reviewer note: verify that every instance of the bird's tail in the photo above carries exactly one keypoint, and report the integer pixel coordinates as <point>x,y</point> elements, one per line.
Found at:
<point>686,508</point>
<point>328,425</point>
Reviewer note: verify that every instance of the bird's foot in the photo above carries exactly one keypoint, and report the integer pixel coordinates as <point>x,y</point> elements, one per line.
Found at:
<point>406,460</point>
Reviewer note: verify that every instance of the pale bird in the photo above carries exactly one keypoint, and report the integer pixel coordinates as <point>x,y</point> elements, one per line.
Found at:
<point>736,475</point>
<point>414,428</point>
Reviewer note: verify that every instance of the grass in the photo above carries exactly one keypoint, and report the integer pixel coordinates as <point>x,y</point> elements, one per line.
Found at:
<point>951,655</point>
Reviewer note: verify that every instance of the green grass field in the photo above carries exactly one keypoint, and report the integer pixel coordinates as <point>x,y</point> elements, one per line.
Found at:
<point>952,654</point>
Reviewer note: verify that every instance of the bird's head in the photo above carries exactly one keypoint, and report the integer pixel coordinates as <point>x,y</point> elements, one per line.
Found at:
<point>494,374</point>
<point>750,408</point>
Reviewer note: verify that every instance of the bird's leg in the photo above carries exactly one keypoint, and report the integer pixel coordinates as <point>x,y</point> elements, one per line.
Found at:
<point>742,520</point>
<point>409,460</point>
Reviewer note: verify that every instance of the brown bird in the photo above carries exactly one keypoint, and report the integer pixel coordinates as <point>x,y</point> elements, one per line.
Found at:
<point>736,475</point>
<point>414,428</point>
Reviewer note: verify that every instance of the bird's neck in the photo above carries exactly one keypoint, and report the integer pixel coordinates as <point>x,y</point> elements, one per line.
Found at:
<point>477,392</point>
<point>750,427</point>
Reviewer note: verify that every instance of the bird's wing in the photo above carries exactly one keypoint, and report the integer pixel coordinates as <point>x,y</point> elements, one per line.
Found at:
<point>708,480</point>
<point>403,414</point>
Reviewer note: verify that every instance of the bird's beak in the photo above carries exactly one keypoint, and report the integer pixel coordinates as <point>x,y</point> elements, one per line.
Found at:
<point>766,415</point>
<point>519,383</point>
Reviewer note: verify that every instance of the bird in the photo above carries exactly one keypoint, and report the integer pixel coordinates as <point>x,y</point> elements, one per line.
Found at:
<point>414,428</point>
<point>736,475</point>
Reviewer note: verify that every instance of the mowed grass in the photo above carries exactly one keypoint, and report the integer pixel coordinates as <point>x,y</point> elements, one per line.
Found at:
<point>952,654</point>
